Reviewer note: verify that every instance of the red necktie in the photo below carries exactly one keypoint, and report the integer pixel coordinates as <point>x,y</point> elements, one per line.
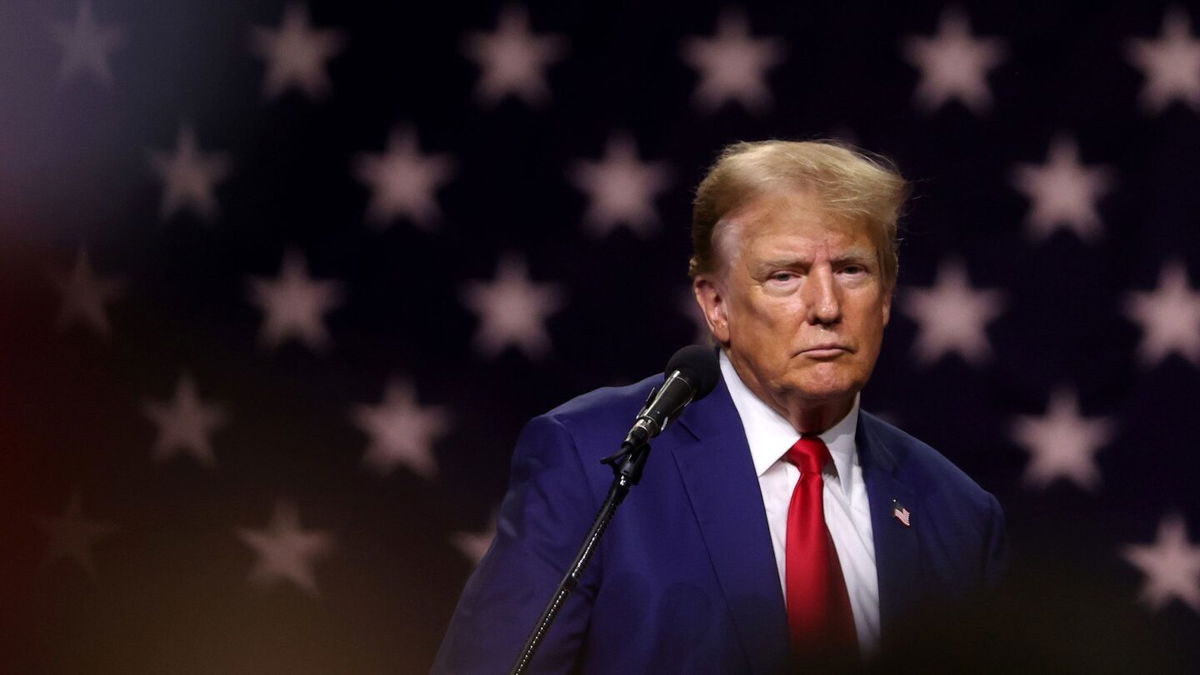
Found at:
<point>818,607</point>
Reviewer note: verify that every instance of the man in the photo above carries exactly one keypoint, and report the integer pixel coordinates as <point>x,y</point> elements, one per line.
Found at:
<point>776,523</point>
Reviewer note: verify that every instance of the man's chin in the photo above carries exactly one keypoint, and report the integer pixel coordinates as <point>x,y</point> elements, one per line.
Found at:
<point>823,391</point>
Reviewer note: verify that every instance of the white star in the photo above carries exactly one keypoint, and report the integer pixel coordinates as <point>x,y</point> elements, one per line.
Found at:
<point>296,54</point>
<point>84,295</point>
<point>954,63</point>
<point>952,316</point>
<point>512,310</point>
<point>473,545</point>
<point>1063,192</point>
<point>189,176</point>
<point>401,431</point>
<point>732,65</point>
<point>1062,444</point>
<point>1171,565</point>
<point>86,44</point>
<point>1169,316</point>
<point>286,552</point>
<point>185,423</point>
<point>72,536</point>
<point>294,305</point>
<point>403,181</point>
<point>513,59</point>
<point>620,189</point>
<point>1170,64</point>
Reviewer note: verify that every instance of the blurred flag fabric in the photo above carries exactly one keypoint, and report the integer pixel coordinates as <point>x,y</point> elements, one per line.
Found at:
<point>280,282</point>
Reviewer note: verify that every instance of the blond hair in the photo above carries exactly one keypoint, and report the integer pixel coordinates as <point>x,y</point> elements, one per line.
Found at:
<point>849,183</point>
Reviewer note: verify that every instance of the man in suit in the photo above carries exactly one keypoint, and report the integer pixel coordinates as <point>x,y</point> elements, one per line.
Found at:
<point>776,523</point>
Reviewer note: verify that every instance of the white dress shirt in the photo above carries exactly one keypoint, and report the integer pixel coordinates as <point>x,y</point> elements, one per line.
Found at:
<point>847,512</point>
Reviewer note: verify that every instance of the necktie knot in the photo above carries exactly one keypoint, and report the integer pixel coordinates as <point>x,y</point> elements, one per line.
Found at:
<point>809,454</point>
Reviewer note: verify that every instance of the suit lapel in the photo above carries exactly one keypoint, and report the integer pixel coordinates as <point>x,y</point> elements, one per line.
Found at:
<point>722,486</point>
<point>897,559</point>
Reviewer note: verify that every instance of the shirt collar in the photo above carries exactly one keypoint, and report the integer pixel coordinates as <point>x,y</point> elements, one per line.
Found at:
<point>769,434</point>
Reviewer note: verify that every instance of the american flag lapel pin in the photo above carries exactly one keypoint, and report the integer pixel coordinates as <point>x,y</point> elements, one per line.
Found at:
<point>901,513</point>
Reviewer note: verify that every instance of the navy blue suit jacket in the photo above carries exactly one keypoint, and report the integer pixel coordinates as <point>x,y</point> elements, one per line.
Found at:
<point>685,579</point>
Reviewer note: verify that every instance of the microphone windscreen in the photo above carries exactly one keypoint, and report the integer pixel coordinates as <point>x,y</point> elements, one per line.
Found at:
<point>698,364</point>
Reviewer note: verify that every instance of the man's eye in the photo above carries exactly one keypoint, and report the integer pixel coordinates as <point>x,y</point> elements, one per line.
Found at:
<point>854,269</point>
<point>782,276</point>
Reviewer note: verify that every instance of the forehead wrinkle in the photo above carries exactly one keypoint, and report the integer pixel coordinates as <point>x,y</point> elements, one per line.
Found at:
<point>855,253</point>
<point>850,253</point>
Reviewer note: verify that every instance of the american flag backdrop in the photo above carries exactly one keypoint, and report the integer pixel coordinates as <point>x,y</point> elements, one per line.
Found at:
<point>281,282</point>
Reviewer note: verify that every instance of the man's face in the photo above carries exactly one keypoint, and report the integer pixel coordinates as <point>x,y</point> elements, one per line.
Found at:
<point>798,303</point>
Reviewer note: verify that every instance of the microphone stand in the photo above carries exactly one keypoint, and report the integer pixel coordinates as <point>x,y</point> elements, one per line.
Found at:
<point>627,465</point>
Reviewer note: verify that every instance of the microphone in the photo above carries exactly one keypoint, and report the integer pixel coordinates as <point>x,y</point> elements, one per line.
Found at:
<point>691,374</point>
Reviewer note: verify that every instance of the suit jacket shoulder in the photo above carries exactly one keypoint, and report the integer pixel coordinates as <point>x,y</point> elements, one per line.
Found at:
<point>925,468</point>
<point>954,544</point>
<point>603,412</point>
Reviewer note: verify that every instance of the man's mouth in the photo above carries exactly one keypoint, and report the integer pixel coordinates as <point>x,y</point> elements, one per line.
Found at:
<point>825,351</point>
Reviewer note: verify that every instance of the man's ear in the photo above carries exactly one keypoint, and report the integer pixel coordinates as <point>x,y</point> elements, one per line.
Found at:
<point>711,298</point>
<point>887,307</point>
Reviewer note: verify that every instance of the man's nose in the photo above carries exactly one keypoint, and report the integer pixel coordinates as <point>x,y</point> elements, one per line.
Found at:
<point>822,298</point>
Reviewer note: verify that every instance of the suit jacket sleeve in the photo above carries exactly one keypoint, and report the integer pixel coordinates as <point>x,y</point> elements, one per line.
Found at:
<point>543,519</point>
